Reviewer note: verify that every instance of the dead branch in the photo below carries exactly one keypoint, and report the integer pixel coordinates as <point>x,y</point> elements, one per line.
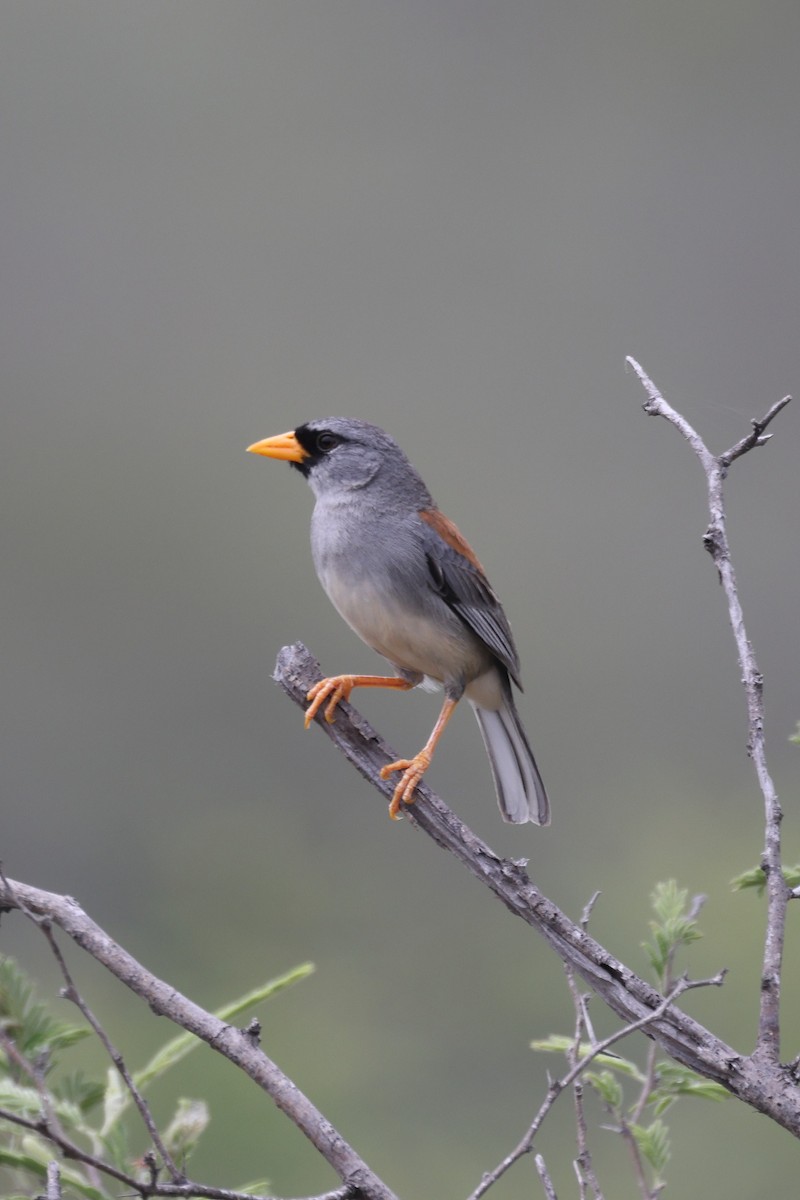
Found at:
<point>715,541</point>
<point>766,1086</point>
<point>234,1044</point>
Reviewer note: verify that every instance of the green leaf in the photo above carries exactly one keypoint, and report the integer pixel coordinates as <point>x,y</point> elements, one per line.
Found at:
<point>31,1163</point>
<point>673,927</point>
<point>113,1146</point>
<point>554,1044</point>
<point>186,1128</point>
<point>557,1044</point>
<point>653,1142</point>
<point>22,1162</point>
<point>20,1099</point>
<point>84,1093</point>
<point>607,1087</point>
<point>116,1099</point>
<point>36,1033</point>
<point>673,1080</point>
<point>756,879</point>
<point>669,901</point>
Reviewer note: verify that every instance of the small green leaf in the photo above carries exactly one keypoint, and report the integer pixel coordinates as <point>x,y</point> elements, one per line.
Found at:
<point>673,1080</point>
<point>754,878</point>
<point>556,1044</point>
<point>186,1128</point>
<point>607,1087</point>
<point>20,1099</point>
<point>22,1162</point>
<point>653,1142</point>
<point>35,1032</point>
<point>668,901</point>
<point>116,1099</point>
<point>757,880</point>
<point>84,1093</point>
<point>31,1164</point>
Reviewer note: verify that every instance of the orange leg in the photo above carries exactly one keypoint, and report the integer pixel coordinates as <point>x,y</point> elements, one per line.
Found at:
<point>339,687</point>
<point>414,768</point>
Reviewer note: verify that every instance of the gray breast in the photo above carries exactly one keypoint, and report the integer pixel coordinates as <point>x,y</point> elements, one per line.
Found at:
<point>376,576</point>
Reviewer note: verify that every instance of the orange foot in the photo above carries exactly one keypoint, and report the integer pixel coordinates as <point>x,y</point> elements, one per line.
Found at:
<point>337,688</point>
<point>413,769</point>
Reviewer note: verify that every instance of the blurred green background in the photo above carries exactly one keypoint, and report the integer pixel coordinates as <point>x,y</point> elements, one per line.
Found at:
<point>454,220</point>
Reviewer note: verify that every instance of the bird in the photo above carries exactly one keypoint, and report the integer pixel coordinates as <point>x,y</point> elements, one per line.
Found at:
<point>408,583</point>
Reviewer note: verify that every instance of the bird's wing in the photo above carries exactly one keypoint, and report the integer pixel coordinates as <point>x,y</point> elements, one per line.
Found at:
<point>461,582</point>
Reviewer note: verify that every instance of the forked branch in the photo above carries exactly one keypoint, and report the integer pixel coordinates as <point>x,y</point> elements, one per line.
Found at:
<point>237,1045</point>
<point>715,541</point>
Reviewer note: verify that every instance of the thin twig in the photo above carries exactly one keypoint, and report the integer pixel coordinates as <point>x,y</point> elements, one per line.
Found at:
<point>53,1181</point>
<point>716,542</point>
<point>645,1191</point>
<point>186,1190</point>
<point>70,1149</point>
<point>35,1071</point>
<point>648,1084</point>
<point>584,1165</point>
<point>756,437</point>
<point>70,992</point>
<point>768,1087</point>
<point>232,1043</point>
<point>557,1086</point>
<point>547,1183</point>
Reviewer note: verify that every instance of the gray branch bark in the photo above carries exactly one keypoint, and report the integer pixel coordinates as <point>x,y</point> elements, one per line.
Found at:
<point>715,540</point>
<point>234,1044</point>
<point>764,1084</point>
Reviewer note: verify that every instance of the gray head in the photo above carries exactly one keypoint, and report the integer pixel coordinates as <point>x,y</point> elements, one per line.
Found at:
<point>344,455</point>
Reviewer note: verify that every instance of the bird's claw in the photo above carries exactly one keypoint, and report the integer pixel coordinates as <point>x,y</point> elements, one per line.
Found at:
<point>335,689</point>
<point>413,769</point>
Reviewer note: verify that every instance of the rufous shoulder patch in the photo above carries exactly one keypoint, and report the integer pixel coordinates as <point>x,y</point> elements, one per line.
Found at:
<point>450,533</point>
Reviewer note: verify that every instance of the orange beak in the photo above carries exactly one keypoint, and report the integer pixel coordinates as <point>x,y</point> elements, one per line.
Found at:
<point>285,446</point>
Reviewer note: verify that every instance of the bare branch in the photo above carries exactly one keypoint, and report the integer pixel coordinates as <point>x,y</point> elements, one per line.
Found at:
<point>232,1043</point>
<point>588,909</point>
<point>70,992</point>
<point>640,1174</point>
<point>48,1119</point>
<point>53,1181</point>
<point>69,1149</point>
<point>547,1183</point>
<point>716,542</point>
<point>657,406</point>
<point>766,1086</point>
<point>757,437</point>
<point>186,1189</point>
<point>557,1086</point>
<point>584,1165</point>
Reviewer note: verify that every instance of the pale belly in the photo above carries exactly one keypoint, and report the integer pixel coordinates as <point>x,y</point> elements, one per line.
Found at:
<point>443,650</point>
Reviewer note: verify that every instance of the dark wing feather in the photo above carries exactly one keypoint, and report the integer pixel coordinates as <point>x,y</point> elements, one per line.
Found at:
<point>462,584</point>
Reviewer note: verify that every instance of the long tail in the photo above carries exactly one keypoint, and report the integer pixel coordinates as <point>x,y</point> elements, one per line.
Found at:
<point>520,791</point>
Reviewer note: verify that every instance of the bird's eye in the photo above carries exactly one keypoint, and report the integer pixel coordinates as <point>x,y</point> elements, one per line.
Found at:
<point>326,442</point>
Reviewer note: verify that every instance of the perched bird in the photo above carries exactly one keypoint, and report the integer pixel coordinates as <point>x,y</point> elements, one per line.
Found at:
<point>408,583</point>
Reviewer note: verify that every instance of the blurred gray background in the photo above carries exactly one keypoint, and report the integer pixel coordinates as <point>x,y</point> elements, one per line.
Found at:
<point>454,220</point>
